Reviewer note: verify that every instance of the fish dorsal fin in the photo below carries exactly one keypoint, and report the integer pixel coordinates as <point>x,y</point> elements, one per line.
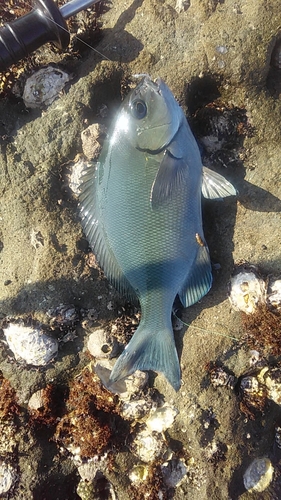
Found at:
<point>93,229</point>
<point>168,179</point>
<point>215,186</point>
<point>199,280</point>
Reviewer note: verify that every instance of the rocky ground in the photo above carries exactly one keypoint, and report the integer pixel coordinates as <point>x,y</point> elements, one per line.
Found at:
<point>77,440</point>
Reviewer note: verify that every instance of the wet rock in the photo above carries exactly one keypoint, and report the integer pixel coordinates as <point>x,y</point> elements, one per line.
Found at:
<point>92,140</point>
<point>174,471</point>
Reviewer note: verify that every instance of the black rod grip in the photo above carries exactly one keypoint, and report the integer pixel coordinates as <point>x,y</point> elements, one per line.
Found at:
<point>26,34</point>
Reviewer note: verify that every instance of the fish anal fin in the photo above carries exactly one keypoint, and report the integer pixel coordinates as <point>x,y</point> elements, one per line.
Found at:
<point>199,280</point>
<point>215,186</point>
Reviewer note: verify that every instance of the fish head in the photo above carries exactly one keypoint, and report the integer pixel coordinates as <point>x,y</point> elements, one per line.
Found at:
<point>150,116</point>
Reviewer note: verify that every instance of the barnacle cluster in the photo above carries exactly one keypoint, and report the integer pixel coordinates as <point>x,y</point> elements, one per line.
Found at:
<point>220,376</point>
<point>254,388</point>
<point>259,301</point>
<point>252,395</point>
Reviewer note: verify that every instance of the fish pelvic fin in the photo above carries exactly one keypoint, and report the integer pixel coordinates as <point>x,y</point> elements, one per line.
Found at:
<point>149,350</point>
<point>215,186</point>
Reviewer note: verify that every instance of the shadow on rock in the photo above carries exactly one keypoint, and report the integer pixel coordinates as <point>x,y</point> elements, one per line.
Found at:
<point>117,45</point>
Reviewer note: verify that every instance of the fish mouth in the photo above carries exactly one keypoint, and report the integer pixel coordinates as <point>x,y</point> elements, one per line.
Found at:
<point>156,85</point>
<point>147,81</point>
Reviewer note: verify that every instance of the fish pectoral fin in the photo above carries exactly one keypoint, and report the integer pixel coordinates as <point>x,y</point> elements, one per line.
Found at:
<point>149,350</point>
<point>93,229</point>
<point>199,280</point>
<point>215,186</point>
<point>168,180</point>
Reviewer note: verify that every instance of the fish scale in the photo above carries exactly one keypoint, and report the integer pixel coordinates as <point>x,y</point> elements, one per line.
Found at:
<point>141,212</point>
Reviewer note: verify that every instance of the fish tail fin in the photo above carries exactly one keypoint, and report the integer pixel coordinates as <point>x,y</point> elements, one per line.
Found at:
<point>149,350</point>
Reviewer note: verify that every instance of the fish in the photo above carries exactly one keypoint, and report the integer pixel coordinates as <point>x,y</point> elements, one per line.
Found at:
<point>140,207</point>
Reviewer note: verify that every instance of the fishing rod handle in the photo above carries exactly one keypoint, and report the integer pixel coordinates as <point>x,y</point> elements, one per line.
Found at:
<point>43,24</point>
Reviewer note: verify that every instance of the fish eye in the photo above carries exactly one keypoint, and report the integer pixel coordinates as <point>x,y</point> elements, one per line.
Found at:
<point>139,109</point>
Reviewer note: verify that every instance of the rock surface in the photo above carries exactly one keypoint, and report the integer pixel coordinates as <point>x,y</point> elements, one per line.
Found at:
<point>215,56</point>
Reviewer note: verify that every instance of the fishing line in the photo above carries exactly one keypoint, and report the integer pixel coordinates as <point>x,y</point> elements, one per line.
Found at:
<point>206,331</point>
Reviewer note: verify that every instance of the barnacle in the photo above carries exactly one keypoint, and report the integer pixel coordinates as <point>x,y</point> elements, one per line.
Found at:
<point>246,289</point>
<point>274,293</point>
<point>253,396</point>
<point>220,376</point>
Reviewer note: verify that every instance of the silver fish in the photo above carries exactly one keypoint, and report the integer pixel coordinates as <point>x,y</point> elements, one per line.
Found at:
<point>141,213</point>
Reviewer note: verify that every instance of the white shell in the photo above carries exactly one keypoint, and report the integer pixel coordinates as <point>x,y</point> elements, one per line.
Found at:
<point>274,293</point>
<point>259,475</point>
<point>8,476</point>
<point>44,86</point>
<point>139,473</point>
<point>90,470</point>
<point>136,409</point>
<point>182,5</point>
<point>272,379</point>
<point>37,400</point>
<point>162,418</point>
<point>148,446</point>
<point>30,344</point>
<point>246,291</point>
<point>75,176</point>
